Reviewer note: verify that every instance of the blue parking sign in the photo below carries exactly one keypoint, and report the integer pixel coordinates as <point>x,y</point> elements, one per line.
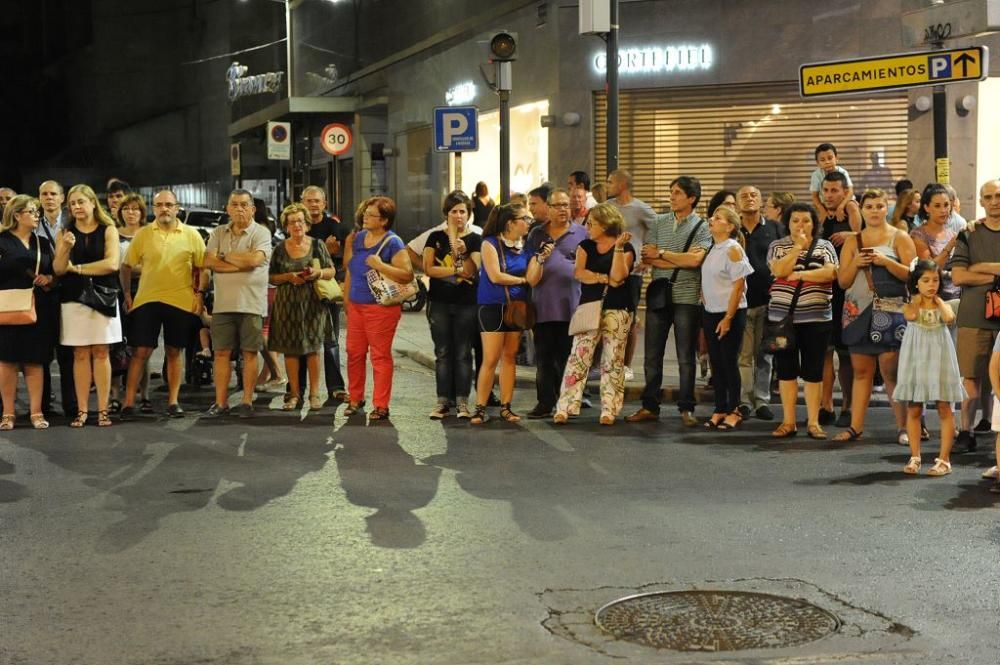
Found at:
<point>456,129</point>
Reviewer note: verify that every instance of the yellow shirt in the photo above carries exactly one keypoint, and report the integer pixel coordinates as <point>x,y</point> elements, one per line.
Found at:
<point>167,259</point>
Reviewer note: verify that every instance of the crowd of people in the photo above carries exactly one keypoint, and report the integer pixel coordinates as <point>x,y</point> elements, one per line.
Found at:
<point>846,287</point>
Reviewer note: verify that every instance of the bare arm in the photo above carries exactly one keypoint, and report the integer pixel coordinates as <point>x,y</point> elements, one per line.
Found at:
<point>107,265</point>
<point>438,272</point>
<point>246,261</point>
<point>689,259</point>
<point>962,276</point>
<point>492,264</point>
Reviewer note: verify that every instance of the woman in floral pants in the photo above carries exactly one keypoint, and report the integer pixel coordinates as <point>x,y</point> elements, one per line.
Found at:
<point>603,262</point>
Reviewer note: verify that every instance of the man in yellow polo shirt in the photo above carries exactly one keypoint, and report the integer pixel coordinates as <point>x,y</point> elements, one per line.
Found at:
<point>169,253</point>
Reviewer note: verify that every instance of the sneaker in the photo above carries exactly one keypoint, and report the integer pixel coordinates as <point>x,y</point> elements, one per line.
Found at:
<point>243,410</point>
<point>642,415</point>
<point>538,413</point>
<point>214,411</point>
<point>764,413</point>
<point>744,410</point>
<point>902,438</point>
<point>585,403</point>
<point>439,412</point>
<point>982,426</point>
<point>965,442</point>
<point>463,411</point>
<point>629,374</point>
<point>826,417</point>
<point>844,419</point>
<point>992,472</point>
<point>175,411</point>
<point>688,419</point>
<point>127,413</point>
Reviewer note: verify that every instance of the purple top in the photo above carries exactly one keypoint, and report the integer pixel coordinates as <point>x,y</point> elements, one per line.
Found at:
<point>360,293</point>
<point>558,293</point>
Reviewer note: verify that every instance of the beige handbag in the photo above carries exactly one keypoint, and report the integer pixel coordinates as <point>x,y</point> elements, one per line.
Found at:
<point>17,306</point>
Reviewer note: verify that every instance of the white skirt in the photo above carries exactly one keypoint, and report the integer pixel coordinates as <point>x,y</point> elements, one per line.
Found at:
<point>80,325</point>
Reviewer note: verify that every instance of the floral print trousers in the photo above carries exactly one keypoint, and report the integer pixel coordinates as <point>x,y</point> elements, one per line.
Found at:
<point>613,335</point>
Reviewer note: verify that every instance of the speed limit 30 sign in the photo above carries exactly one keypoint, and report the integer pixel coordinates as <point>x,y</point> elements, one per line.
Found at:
<point>336,138</point>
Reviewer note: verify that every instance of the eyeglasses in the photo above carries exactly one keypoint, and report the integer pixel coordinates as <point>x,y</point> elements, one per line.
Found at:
<point>131,209</point>
<point>165,205</point>
<point>523,218</point>
<point>372,215</point>
<point>558,205</point>
<point>32,211</point>
<point>242,205</point>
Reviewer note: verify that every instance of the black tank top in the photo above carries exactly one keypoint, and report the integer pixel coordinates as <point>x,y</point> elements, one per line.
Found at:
<point>89,248</point>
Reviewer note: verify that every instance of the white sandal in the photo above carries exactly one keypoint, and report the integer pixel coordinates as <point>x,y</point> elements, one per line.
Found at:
<point>912,467</point>
<point>941,468</point>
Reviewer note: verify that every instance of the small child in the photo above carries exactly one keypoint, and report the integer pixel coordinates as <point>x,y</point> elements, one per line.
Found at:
<point>995,382</point>
<point>826,160</point>
<point>928,366</point>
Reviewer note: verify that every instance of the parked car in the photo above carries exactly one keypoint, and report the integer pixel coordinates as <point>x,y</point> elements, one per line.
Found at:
<point>203,219</point>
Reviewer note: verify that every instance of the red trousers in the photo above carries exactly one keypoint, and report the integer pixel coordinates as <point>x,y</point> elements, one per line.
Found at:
<point>370,331</point>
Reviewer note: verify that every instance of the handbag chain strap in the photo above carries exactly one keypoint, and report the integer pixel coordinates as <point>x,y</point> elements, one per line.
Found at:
<point>798,287</point>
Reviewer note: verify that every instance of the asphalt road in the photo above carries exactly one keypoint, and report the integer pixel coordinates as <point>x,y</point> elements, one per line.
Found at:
<point>307,538</point>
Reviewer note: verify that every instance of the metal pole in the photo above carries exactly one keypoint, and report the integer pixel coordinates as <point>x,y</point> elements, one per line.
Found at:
<point>612,83</point>
<point>503,89</point>
<point>942,168</point>
<point>289,56</point>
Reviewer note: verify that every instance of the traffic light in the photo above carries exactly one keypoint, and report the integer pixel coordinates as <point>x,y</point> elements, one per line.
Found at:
<point>503,47</point>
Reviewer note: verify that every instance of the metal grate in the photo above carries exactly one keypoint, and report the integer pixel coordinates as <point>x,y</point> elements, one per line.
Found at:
<point>715,620</point>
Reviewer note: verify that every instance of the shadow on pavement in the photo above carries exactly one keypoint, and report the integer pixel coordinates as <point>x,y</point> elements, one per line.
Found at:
<point>9,490</point>
<point>376,472</point>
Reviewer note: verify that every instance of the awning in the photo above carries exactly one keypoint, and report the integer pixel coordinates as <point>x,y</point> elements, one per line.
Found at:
<point>292,107</point>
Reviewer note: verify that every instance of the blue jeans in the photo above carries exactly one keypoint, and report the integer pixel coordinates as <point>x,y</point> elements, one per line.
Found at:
<point>686,321</point>
<point>453,328</point>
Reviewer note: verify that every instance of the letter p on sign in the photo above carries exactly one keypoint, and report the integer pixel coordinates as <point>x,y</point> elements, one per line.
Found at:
<point>456,129</point>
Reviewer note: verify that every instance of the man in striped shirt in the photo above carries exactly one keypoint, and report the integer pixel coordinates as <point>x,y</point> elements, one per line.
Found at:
<point>674,248</point>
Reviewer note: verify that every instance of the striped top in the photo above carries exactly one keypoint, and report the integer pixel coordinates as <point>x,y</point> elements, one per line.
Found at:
<point>813,305</point>
<point>669,234</point>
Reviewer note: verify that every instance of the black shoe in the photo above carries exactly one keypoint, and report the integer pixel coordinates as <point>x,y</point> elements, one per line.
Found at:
<point>982,426</point>
<point>764,413</point>
<point>844,419</point>
<point>242,410</point>
<point>214,411</point>
<point>585,403</point>
<point>995,488</point>
<point>492,401</point>
<point>538,413</point>
<point>826,417</point>
<point>744,411</point>
<point>126,414</point>
<point>175,411</point>
<point>965,442</point>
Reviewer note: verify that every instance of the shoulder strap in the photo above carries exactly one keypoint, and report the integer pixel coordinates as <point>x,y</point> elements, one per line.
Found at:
<point>798,287</point>
<point>687,246</point>
<point>503,267</point>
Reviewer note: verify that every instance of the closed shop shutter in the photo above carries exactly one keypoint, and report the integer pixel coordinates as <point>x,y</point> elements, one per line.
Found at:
<point>762,135</point>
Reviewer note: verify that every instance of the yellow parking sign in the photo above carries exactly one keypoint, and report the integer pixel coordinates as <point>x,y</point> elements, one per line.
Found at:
<point>888,72</point>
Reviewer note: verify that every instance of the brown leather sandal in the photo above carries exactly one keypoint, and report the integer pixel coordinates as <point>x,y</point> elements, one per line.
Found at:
<point>80,420</point>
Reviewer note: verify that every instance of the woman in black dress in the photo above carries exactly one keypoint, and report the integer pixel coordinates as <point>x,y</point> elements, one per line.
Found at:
<point>26,261</point>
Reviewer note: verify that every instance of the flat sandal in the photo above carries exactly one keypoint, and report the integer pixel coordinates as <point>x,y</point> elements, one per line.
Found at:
<point>103,419</point>
<point>38,421</point>
<point>7,422</point>
<point>79,421</point>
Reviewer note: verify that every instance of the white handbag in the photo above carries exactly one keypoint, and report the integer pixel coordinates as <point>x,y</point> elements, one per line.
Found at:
<point>386,291</point>
<point>17,306</point>
<point>587,317</point>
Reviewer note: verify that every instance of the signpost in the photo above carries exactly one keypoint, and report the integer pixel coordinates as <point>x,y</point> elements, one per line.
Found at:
<point>456,129</point>
<point>279,140</point>
<point>336,139</point>
<point>890,72</point>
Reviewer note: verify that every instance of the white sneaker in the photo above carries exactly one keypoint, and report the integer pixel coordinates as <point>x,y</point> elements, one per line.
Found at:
<point>463,411</point>
<point>629,374</point>
<point>991,472</point>
<point>439,412</point>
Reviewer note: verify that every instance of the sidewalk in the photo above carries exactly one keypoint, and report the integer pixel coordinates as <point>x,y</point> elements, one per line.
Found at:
<point>413,340</point>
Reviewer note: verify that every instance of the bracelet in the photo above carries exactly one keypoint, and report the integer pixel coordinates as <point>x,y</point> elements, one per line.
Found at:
<point>619,251</point>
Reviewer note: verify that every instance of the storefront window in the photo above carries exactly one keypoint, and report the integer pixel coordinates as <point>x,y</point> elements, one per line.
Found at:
<point>529,151</point>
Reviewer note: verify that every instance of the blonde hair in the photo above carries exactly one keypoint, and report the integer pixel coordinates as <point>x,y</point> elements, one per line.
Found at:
<point>101,215</point>
<point>17,204</point>
<point>292,209</point>
<point>734,221</point>
<point>608,217</point>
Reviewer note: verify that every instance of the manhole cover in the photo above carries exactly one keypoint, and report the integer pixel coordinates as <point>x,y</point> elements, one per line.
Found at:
<point>715,620</point>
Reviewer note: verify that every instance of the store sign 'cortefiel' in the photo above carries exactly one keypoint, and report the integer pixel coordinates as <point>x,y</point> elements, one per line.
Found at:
<point>241,85</point>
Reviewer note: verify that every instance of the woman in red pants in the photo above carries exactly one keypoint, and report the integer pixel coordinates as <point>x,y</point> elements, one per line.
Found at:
<point>371,327</point>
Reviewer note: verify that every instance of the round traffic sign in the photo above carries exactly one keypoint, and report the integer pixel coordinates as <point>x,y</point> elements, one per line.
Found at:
<point>279,134</point>
<point>336,138</point>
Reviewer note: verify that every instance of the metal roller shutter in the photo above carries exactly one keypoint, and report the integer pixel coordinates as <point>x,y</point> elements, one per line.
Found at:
<point>763,135</point>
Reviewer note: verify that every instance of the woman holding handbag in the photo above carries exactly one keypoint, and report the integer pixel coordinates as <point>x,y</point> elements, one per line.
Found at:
<point>25,275</point>
<point>604,315</point>
<point>504,311</point>
<point>377,262</point>
<point>87,259</point>
<point>299,319</point>
<point>804,267</point>
<point>874,269</point>
<point>723,292</point>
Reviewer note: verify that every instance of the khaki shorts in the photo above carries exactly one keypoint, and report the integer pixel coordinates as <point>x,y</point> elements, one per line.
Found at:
<point>974,348</point>
<point>233,330</point>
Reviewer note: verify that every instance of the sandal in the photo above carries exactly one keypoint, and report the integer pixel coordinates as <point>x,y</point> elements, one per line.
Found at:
<point>560,418</point>
<point>315,402</point>
<point>849,434</point>
<point>378,413</point>
<point>145,406</point>
<point>712,423</point>
<point>80,420</point>
<point>507,415</point>
<point>912,467</point>
<point>816,432</point>
<point>114,406</point>
<point>941,467</point>
<point>479,415</point>
<point>784,431</point>
<point>103,419</point>
<point>340,395</point>
<point>7,422</point>
<point>726,426</point>
<point>291,403</point>
<point>38,421</point>
<point>353,408</point>
<point>607,419</point>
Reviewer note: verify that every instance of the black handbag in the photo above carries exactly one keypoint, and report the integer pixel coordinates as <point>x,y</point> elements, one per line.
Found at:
<point>780,335</point>
<point>102,299</point>
<point>659,293</point>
